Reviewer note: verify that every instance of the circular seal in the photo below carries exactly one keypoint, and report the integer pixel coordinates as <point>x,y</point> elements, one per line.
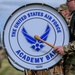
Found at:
<point>20,29</point>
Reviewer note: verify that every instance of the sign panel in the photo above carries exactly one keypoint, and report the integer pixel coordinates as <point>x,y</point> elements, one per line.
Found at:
<point>20,29</point>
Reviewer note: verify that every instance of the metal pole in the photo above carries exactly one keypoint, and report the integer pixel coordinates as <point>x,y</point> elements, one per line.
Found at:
<point>25,72</point>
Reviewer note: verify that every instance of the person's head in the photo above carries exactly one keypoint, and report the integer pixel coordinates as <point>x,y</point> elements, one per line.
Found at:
<point>64,12</point>
<point>63,9</point>
<point>71,5</point>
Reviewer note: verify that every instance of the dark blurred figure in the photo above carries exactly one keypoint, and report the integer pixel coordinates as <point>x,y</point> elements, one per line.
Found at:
<point>70,48</point>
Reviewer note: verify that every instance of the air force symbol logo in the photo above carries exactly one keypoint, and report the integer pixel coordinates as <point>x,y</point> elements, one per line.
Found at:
<point>23,25</point>
<point>36,44</point>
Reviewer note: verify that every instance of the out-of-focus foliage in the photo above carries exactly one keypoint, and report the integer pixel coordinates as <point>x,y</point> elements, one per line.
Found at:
<point>8,69</point>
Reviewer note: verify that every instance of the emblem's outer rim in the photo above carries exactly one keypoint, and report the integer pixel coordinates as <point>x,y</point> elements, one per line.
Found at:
<point>9,19</point>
